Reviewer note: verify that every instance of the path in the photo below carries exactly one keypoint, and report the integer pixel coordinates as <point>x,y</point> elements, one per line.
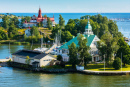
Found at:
<point>49,50</point>
<point>90,72</point>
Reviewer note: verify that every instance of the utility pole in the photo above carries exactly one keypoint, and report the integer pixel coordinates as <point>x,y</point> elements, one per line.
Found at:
<point>121,61</point>
<point>104,62</point>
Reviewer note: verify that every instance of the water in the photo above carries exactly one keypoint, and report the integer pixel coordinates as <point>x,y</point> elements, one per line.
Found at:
<point>12,77</point>
<point>125,25</point>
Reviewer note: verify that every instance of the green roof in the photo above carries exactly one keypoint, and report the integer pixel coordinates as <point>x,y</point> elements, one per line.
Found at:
<point>88,26</point>
<point>89,41</point>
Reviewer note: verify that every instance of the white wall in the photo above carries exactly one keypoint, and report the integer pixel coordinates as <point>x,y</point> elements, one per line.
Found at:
<point>19,59</point>
<point>28,32</point>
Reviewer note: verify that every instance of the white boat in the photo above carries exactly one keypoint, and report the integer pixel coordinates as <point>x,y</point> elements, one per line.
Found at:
<point>41,49</point>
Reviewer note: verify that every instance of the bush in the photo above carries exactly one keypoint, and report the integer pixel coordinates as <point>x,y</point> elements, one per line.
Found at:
<point>59,57</point>
<point>117,63</point>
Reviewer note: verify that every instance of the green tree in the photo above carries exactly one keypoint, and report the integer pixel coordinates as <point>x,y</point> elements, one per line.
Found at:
<point>109,45</point>
<point>49,23</point>
<point>103,29</point>
<point>34,31</point>
<point>5,22</point>
<point>45,16</point>
<point>61,22</point>
<point>16,21</point>
<point>66,36</point>
<point>124,49</point>
<point>73,59</point>
<point>83,49</point>
<point>3,35</point>
<point>12,31</point>
<point>55,30</point>
<point>82,25</point>
<point>70,26</point>
<point>117,63</point>
<point>27,18</point>
<point>126,59</point>
<point>59,57</point>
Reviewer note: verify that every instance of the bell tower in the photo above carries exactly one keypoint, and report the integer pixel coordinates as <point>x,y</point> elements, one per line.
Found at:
<point>39,13</point>
<point>88,29</point>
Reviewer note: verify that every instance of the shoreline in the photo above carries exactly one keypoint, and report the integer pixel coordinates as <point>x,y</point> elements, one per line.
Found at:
<point>105,73</point>
<point>63,70</point>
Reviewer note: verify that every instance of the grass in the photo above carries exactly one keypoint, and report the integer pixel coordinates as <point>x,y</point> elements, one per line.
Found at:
<point>100,67</point>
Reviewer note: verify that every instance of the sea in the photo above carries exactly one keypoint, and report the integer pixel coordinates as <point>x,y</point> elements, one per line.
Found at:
<point>122,19</point>
<point>13,77</point>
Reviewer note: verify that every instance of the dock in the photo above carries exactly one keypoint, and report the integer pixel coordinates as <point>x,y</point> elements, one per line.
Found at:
<point>4,60</point>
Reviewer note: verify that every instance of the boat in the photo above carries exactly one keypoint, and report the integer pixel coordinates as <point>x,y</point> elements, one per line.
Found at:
<point>41,49</point>
<point>9,53</point>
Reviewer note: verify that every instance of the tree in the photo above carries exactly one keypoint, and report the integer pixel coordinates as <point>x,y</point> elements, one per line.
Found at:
<point>49,23</point>
<point>12,31</point>
<point>124,49</point>
<point>16,21</point>
<point>108,46</point>
<point>45,16</point>
<point>73,59</point>
<point>103,29</point>
<point>3,35</point>
<point>117,63</point>
<point>5,22</point>
<point>59,57</point>
<point>83,49</point>
<point>28,60</point>
<point>55,30</point>
<point>40,24</point>
<point>126,59</point>
<point>82,25</point>
<point>61,22</point>
<point>34,31</point>
<point>66,36</point>
<point>27,18</point>
<point>87,59</point>
<point>70,26</point>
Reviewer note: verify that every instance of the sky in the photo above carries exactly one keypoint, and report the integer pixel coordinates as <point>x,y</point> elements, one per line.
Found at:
<point>65,6</point>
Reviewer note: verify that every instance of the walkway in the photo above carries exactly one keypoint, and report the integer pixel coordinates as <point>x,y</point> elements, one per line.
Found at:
<point>49,50</point>
<point>90,72</point>
<point>4,60</point>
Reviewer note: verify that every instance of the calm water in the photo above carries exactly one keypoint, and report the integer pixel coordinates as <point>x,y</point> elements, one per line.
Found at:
<point>12,77</point>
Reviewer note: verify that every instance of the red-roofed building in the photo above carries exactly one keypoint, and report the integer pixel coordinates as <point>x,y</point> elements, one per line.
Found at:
<point>35,20</point>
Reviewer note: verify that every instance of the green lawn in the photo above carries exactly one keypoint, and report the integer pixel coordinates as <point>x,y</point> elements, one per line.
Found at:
<point>100,67</point>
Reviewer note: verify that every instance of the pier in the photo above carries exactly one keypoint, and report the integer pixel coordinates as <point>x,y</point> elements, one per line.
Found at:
<point>4,60</point>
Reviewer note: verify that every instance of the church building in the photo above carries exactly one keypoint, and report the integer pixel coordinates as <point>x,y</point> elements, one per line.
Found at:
<point>35,20</point>
<point>91,42</point>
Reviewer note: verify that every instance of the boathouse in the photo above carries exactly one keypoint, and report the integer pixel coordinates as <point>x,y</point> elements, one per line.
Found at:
<point>36,58</point>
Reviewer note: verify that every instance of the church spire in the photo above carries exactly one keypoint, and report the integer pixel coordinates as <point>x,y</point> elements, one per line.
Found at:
<point>39,13</point>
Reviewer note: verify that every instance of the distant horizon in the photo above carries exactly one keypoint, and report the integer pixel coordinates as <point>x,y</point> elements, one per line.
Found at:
<point>65,6</point>
<point>65,12</point>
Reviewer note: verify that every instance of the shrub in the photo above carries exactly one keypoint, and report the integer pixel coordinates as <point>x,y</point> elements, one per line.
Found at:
<point>117,63</point>
<point>59,57</point>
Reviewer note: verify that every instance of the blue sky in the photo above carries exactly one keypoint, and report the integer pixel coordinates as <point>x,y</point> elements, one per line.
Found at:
<point>68,6</point>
